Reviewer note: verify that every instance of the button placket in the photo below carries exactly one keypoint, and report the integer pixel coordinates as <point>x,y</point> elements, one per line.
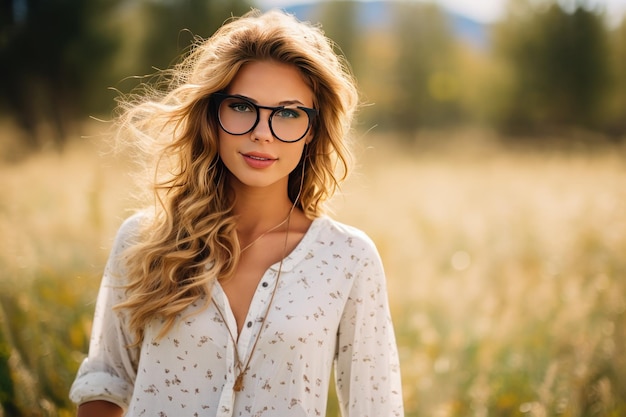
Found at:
<point>226,401</point>
<point>256,312</point>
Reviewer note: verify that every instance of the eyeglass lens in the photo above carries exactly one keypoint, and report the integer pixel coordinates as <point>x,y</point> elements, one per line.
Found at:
<point>239,116</point>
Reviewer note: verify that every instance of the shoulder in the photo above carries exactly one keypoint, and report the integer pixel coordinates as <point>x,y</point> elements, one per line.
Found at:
<point>343,235</point>
<point>130,230</point>
<point>331,226</point>
<point>348,250</point>
<point>128,235</point>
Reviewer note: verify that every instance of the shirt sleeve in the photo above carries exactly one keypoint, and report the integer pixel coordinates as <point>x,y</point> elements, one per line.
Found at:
<point>109,371</point>
<point>367,367</point>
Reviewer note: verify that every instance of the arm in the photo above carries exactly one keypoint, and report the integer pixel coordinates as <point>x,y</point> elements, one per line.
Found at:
<point>99,408</point>
<point>367,368</point>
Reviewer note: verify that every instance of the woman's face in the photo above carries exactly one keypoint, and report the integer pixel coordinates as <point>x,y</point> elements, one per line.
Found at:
<point>257,158</point>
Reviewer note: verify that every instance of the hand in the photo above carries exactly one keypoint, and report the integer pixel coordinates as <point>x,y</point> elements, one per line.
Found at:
<point>99,408</point>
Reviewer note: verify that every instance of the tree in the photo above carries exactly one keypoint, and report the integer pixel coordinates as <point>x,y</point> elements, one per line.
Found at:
<point>170,26</point>
<point>340,22</point>
<point>615,120</point>
<point>424,73</point>
<point>53,53</point>
<point>559,66</point>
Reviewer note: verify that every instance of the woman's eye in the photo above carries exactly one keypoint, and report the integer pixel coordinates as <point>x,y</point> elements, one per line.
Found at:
<point>241,107</point>
<point>288,113</point>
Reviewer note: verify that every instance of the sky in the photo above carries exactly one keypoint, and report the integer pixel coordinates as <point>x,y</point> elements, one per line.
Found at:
<point>485,11</point>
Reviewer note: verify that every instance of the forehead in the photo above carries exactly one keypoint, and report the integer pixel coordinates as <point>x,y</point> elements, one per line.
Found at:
<point>270,83</point>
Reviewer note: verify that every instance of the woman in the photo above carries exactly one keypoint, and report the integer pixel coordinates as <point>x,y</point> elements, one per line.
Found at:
<point>235,294</point>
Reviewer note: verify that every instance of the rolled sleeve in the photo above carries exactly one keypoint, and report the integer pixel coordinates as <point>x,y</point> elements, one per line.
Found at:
<point>92,385</point>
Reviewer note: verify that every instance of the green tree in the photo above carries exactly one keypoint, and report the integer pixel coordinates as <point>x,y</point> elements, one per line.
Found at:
<point>170,26</point>
<point>615,120</point>
<point>423,79</point>
<point>559,66</point>
<point>53,54</point>
<point>340,23</point>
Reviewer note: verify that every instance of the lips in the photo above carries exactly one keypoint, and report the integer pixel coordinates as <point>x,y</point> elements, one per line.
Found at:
<point>258,160</point>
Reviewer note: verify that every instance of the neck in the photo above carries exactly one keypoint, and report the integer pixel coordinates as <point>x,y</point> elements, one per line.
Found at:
<point>260,209</point>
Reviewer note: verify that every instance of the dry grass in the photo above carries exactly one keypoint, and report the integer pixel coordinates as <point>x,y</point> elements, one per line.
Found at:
<point>506,273</point>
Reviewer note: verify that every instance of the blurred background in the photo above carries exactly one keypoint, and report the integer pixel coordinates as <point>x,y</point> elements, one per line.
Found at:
<point>523,67</point>
<point>491,174</point>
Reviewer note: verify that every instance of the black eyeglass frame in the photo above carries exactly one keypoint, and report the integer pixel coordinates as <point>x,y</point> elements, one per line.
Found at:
<point>218,98</point>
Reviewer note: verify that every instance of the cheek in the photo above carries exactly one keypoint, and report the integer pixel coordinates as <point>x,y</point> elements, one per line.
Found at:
<point>224,145</point>
<point>296,154</point>
<point>226,151</point>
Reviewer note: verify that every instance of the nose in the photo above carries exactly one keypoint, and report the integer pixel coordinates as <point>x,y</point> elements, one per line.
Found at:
<point>262,130</point>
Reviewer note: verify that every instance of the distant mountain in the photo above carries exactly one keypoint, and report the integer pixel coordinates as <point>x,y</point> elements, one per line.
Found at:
<point>473,32</point>
<point>378,15</point>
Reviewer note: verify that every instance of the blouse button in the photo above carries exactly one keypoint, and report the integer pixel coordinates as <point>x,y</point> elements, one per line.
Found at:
<point>249,324</point>
<point>265,284</point>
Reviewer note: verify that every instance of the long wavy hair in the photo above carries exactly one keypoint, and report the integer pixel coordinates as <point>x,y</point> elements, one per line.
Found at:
<point>193,225</point>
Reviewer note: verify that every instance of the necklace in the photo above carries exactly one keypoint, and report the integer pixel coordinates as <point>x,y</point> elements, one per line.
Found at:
<point>242,368</point>
<point>266,232</point>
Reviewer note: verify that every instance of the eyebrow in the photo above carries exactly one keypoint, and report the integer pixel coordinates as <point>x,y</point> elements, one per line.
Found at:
<point>282,103</point>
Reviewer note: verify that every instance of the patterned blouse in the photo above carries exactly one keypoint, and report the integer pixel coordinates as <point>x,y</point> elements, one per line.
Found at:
<point>330,308</point>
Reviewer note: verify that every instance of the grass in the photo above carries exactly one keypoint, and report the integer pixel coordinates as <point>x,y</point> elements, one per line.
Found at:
<point>506,272</point>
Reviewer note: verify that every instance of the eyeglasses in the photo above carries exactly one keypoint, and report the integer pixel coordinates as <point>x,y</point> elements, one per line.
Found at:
<point>238,115</point>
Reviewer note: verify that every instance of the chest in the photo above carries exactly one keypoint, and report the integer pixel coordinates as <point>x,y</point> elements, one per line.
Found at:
<point>241,288</point>
<point>253,270</point>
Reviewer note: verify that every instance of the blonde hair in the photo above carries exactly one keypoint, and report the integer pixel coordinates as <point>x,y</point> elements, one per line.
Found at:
<point>193,224</point>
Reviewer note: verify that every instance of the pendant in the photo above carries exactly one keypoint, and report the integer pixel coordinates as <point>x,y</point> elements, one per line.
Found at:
<point>239,382</point>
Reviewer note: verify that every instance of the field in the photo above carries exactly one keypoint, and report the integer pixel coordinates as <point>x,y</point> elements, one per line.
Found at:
<point>506,271</point>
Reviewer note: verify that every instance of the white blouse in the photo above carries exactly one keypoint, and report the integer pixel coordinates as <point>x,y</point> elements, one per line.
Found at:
<point>330,308</point>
